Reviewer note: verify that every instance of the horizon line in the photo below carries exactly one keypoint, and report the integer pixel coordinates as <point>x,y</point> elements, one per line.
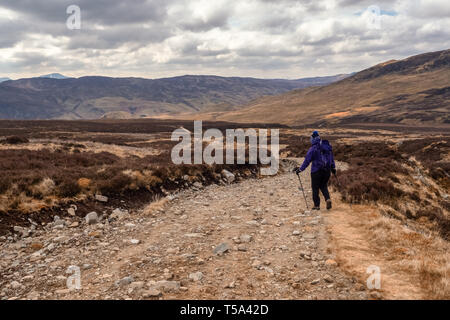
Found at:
<point>45,76</point>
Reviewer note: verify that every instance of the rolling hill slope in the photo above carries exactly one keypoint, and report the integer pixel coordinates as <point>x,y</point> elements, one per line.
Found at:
<point>98,97</point>
<point>415,90</point>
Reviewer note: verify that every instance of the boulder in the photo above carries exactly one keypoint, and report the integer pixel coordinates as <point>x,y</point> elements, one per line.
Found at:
<point>221,248</point>
<point>164,285</point>
<point>101,198</point>
<point>71,211</point>
<point>152,293</point>
<point>92,218</point>
<point>198,185</point>
<point>228,176</point>
<point>197,276</point>
<point>124,281</point>
<point>245,238</point>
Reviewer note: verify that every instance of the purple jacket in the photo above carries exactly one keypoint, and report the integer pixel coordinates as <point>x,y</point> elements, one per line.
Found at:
<point>321,155</point>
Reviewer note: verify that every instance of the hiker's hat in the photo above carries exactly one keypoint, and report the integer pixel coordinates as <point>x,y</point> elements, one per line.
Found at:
<point>315,134</point>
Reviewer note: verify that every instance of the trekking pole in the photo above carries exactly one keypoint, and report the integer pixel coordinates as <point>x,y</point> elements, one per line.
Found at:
<point>303,190</point>
<point>339,184</point>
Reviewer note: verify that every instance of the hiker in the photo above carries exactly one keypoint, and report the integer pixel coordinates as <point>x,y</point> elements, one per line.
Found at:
<point>321,155</point>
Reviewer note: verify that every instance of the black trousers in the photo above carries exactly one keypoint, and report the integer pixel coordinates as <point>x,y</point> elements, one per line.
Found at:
<point>319,181</point>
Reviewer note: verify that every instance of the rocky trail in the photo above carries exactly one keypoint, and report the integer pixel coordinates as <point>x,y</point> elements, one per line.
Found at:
<point>248,240</point>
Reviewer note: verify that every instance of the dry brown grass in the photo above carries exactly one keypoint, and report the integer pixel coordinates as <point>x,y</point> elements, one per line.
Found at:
<point>424,255</point>
<point>414,263</point>
<point>157,205</point>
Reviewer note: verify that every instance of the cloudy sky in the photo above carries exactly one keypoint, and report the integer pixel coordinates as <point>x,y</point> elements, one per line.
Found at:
<point>256,38</point>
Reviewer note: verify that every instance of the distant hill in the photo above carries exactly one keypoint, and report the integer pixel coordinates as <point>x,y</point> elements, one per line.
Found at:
<point>103,97</point>
<point>54,76</point>
<point>415,90</point>
<point>4,79</point>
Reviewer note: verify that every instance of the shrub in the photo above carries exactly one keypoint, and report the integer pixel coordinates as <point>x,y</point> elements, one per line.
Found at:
<point>68,188</point>
<point>16,140</point>
<point>115,185</point>
<point>5,183</point>
<point>43,188</point>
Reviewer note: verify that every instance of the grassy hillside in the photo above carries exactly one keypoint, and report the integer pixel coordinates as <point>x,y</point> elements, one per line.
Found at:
<point>410,91</point>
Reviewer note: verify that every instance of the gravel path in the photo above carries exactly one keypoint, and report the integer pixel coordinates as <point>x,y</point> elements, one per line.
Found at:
<point>248,240</point>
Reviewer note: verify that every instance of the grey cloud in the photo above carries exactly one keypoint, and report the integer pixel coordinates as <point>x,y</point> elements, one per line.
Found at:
<point>241,62</point>
<point>214,39</point>
<point>219,19</point>
<point>277,24</point>
<point>131,21</point>
<point>310,6</point>
<point>268,52</point>
<point>11,32</point>
<point>366,3</point>
<point>106,12</point>
<point>114,37</point>
<point>29,59</point>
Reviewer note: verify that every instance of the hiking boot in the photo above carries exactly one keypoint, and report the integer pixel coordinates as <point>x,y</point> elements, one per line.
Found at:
<point>329,204</point>
<point>316,208</point>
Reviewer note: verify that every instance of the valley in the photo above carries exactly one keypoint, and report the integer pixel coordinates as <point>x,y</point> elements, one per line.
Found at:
<point>124,98</point>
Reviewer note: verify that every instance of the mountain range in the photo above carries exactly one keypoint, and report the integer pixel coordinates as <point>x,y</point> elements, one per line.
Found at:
<point>58,97</point>
<point>415,90</point>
